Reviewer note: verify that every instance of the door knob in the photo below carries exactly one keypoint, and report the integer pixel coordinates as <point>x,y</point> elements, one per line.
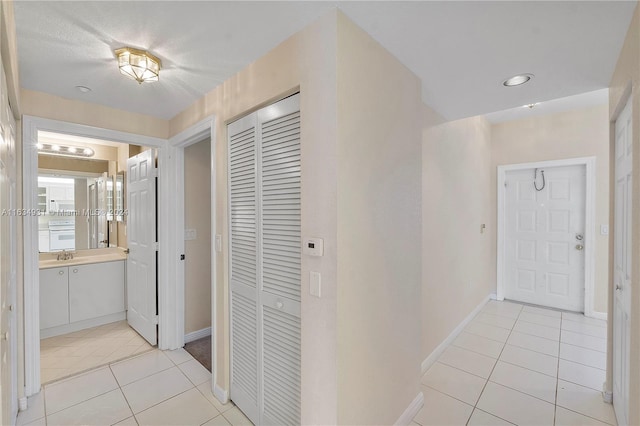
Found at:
<point>618,287</point>
<point>579,247</point>
<point>279,305</point>
<point>5,336</point>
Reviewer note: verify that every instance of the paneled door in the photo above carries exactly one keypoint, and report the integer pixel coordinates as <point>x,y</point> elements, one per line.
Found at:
<point>264,220</point>
<point>622,264</point>
<point>544,242</point>
<point>142,288</point>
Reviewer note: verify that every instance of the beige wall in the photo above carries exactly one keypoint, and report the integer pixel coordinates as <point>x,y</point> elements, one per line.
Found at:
<point>379,244</point>
<point>625,83</point>
<point>572,134</point>
<point>197,285</point>
<point>457,262</point>
<point>306,61</point>
<point>341,157</point>
<point>44,105</point>
<point>51,162</point>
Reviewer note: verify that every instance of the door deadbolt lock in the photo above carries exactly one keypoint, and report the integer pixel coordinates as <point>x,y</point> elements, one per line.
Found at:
<point>579,237</point>
<point>579,247</point>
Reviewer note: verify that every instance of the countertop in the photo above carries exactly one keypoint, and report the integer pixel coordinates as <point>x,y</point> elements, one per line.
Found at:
<point>82,257</point>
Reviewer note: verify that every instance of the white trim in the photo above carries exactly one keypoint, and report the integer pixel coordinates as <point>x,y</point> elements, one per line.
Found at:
<point>598,315</point>
<point>198,334</point>
<point>433,357</point>
<point>166,260</point>
<point>407,416</point>
<point>194,134</point>
<point>81,325</point>
<point>221,395</point>
<point>589,223</point>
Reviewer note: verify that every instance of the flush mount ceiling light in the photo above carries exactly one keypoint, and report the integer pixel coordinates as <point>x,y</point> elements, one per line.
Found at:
<point>73,151</point>
<point>139,65</point>
<point>517,80</point>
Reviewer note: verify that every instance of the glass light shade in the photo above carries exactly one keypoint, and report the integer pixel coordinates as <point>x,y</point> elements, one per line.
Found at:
<point>138,64</point>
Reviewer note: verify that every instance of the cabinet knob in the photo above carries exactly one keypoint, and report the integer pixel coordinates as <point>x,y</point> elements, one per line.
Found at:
<point>60,272</point>
<point>279,305</point>
<point>75,271</point>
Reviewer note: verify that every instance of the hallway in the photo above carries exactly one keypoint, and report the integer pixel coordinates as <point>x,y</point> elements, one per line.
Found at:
<point>518,364</point>
<point>155,388</point>
<point>513,364</point>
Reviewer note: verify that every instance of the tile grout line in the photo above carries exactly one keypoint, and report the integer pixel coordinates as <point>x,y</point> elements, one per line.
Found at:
<point>494,367</point>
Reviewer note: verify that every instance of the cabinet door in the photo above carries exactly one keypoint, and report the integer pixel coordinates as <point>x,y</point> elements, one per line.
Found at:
<point>96,290</point>
<point>54,297</point>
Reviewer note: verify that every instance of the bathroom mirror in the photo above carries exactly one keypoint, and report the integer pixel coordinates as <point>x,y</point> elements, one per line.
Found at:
<point>119,197</point>
<point>76,204</point>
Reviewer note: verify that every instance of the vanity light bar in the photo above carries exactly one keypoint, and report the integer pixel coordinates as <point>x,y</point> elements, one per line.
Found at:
<point>56,149</point>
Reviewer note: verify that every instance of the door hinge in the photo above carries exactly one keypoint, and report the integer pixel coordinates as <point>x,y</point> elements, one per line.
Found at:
<point>156,246</point>
<point>156,320</point>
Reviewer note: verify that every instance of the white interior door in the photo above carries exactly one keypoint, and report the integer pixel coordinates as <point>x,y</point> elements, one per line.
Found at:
<point>8,263</point>
<point>544,242</point>
<point>264,195</point>
<point>141,237</point>
<point>622,265</point>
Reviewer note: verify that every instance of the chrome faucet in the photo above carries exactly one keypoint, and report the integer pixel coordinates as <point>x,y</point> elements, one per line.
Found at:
<point>65,255</point>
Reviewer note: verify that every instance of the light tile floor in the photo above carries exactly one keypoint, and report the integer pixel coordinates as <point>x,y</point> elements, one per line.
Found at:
<point>512,364</point>
<point>518,364</point>
<point>154,388</point>
<point>68,354</point>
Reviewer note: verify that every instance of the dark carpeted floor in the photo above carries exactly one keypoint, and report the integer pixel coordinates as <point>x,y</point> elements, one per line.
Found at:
<point>201,350</point>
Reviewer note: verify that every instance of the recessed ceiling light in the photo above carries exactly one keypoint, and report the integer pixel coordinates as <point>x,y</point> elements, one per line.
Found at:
<point>83,89</point>
<point>517,80</point>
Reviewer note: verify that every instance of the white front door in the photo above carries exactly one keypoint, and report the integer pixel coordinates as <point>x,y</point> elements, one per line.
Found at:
<point>545,230</point>
<point>622,265</point>
<point>141,237</point>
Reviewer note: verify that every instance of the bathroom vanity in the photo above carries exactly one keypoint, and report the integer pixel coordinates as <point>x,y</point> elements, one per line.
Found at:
<point>83,292</point>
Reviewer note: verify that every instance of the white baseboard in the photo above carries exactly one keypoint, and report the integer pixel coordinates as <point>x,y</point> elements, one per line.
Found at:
<point>81,325</point>
<point>407,417</point>
<point>431,359</point>
<point>597,315</point>
<point>22,404</point>
<point>221,394</point>
<point>198,334</point>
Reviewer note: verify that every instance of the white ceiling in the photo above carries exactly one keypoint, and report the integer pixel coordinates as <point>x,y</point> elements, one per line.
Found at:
<point>462,51</point>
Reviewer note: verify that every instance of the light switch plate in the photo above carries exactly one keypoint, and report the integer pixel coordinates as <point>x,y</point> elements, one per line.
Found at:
<point>313,246</point>
<point>315,284</point>
<point>189,234</point>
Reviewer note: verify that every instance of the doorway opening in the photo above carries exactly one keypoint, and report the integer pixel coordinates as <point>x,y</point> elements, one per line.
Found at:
<point>87,305</point>
<point>546,233</point>
<point>198,251</point>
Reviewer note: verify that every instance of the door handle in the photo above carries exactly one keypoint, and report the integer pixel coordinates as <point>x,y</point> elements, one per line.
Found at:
<point>618,287</point>
<point>579,247</point>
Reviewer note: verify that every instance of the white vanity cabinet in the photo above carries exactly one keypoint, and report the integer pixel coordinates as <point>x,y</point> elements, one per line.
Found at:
<point>96,290</point>
<point>80,296</point>
<point>54,297</point>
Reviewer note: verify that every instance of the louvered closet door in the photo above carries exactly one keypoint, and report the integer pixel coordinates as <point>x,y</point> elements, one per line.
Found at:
<point>264,183</point>
<point>281,246</point>
<point>244,270</point>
